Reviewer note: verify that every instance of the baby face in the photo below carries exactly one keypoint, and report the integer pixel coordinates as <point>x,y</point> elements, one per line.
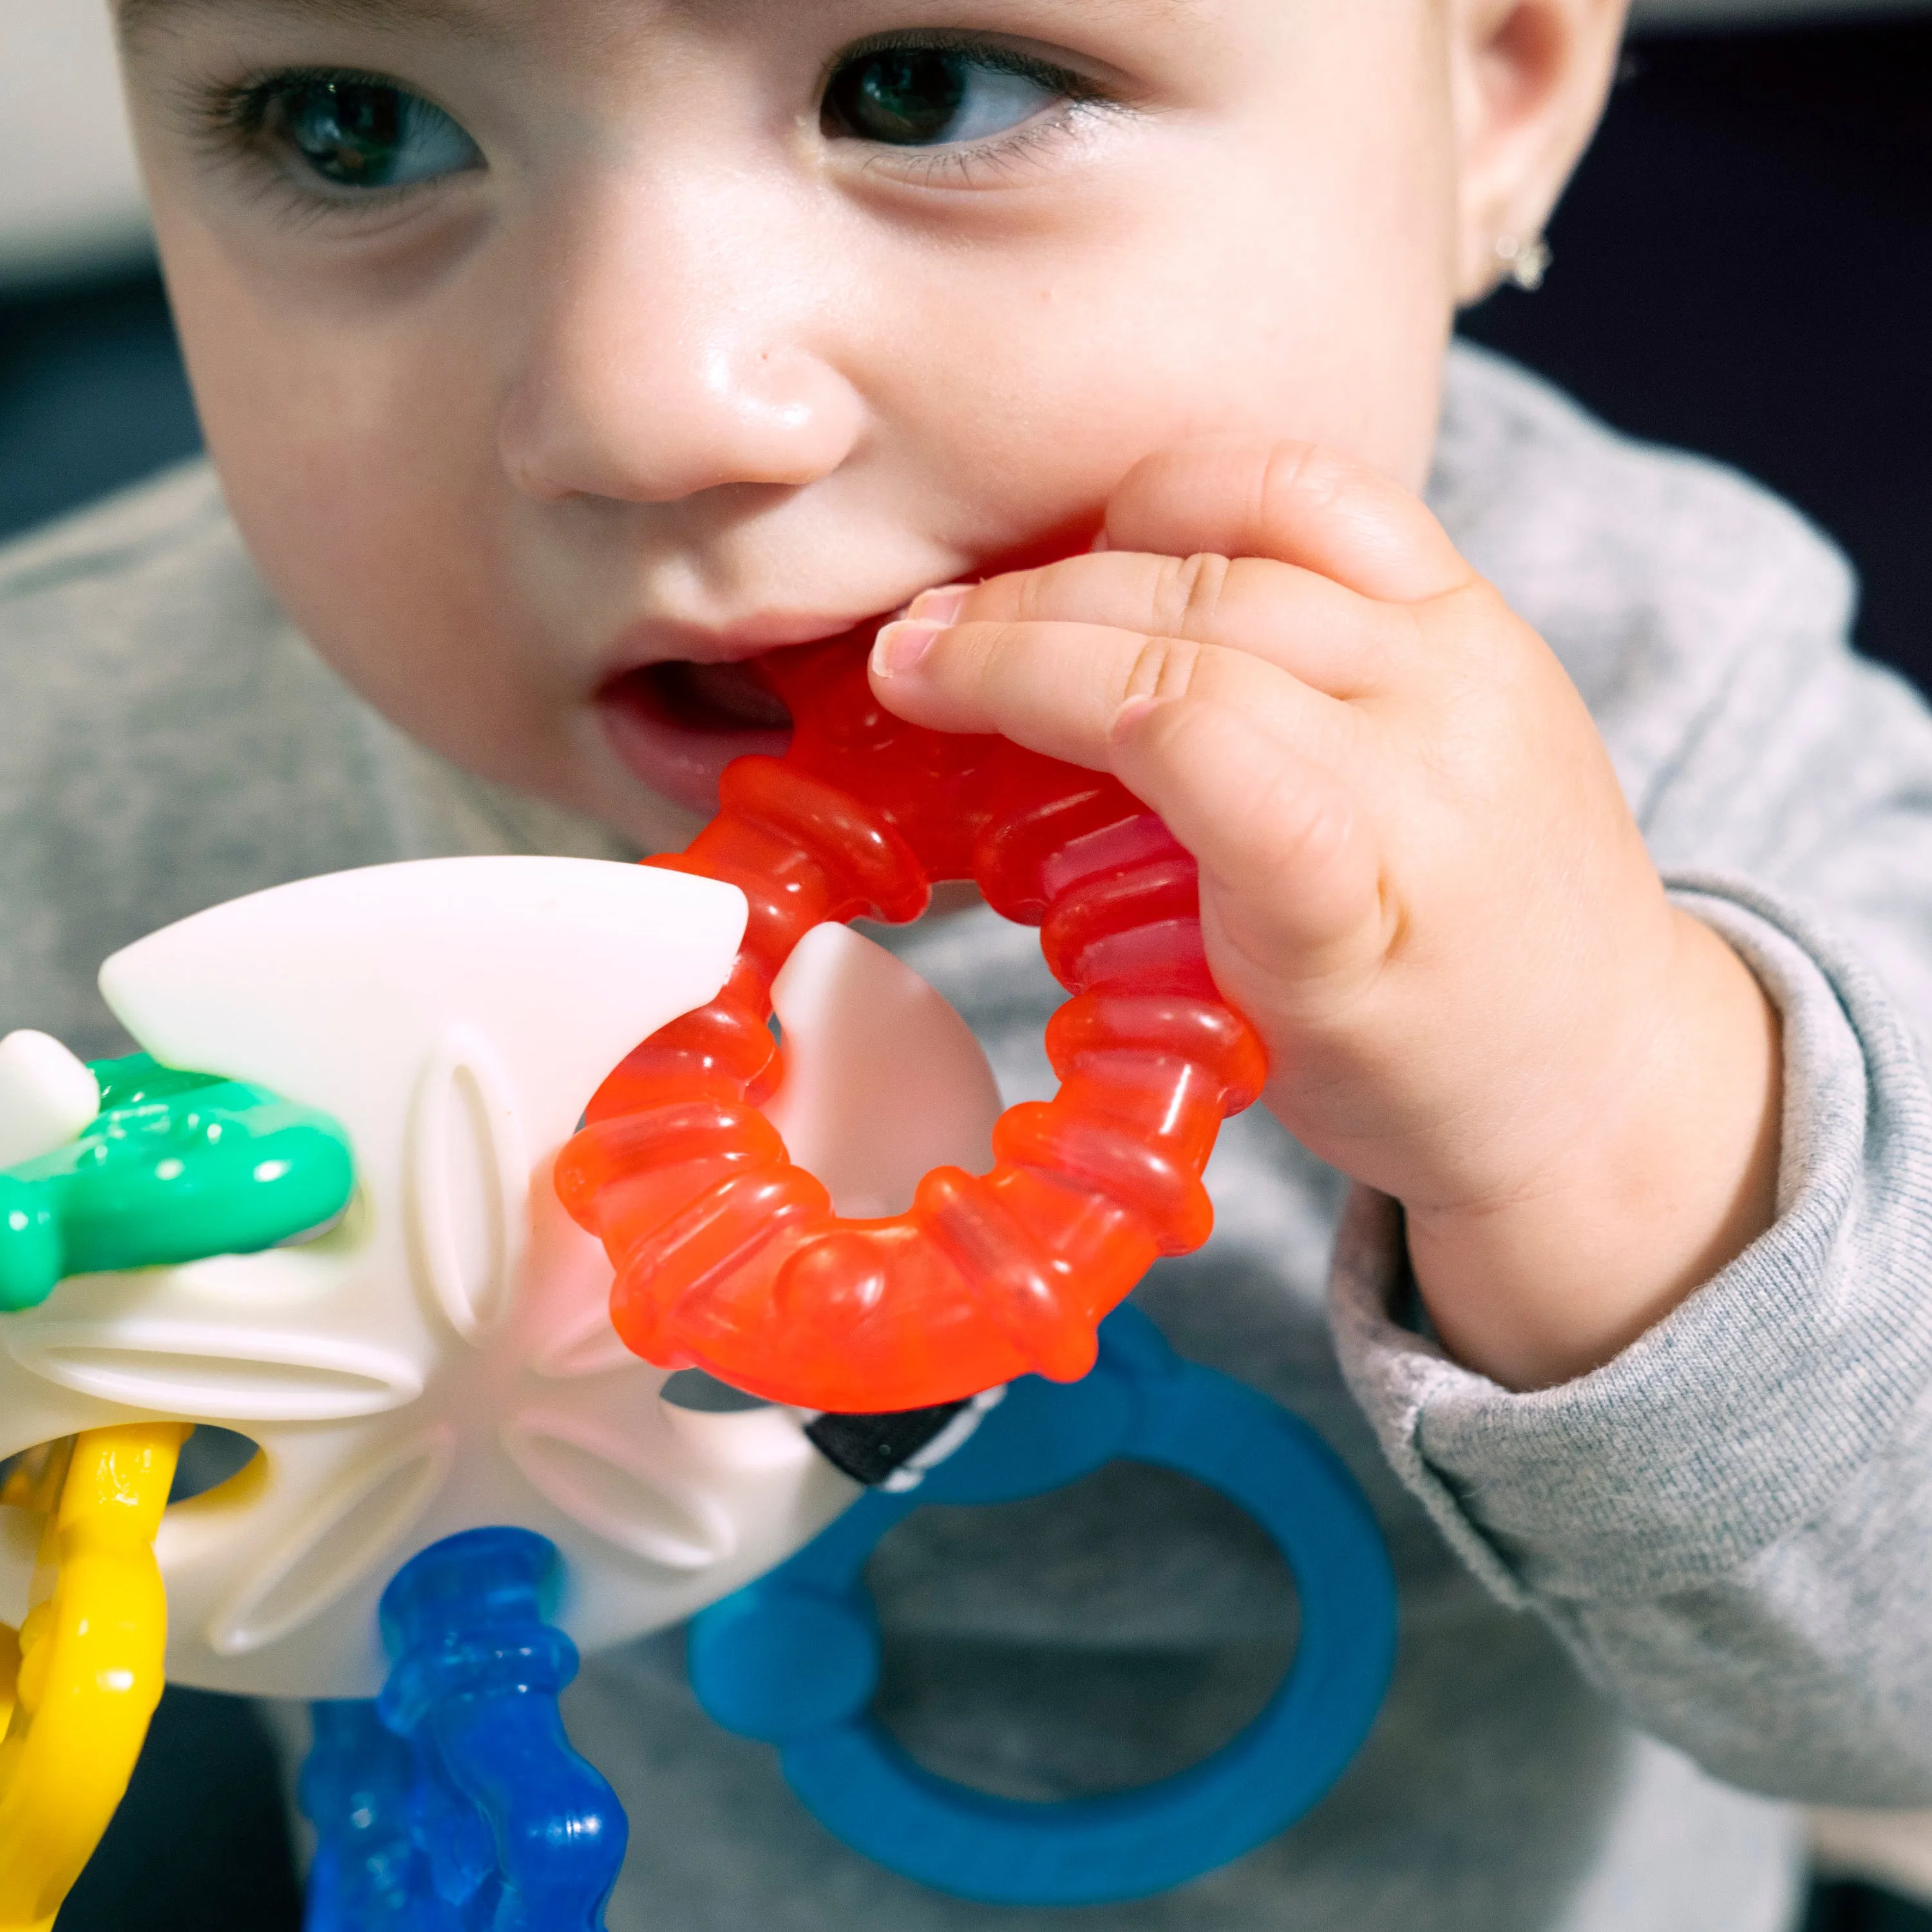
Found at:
<point>558,356</point>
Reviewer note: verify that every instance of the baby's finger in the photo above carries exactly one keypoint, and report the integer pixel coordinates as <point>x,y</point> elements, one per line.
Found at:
<point>1324,635</point>
<point>1067,689</point>
<point>1294,502</point>
<point>1290,866</point>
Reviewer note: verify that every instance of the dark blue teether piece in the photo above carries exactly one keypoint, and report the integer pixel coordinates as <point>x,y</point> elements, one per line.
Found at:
<point>454,1803</point>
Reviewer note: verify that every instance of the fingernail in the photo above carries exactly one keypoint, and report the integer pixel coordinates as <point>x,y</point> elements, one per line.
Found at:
<point>899,647</point>
<point>941,606</point>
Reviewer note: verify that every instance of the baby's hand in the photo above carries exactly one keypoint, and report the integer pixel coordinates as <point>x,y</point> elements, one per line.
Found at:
<point>1419,880</point>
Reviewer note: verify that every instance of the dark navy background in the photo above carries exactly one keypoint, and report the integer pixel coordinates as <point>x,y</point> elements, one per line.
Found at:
<point>1743,266</point>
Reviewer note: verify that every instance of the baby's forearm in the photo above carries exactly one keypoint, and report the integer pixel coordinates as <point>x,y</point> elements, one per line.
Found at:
<point>1669,1186</point>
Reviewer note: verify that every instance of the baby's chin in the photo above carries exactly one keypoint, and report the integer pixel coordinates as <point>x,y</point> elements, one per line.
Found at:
<point>677,725</point>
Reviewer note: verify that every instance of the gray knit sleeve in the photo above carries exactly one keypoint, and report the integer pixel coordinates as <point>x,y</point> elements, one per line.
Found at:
<point>1731,1523</point>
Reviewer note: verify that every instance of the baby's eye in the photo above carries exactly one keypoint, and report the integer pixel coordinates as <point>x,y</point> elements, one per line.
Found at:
<point>365,134</point>
<point>934,96</point>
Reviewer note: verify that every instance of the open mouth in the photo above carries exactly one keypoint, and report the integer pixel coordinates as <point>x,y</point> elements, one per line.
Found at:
<point>678,724</point>
<point>713,697</point>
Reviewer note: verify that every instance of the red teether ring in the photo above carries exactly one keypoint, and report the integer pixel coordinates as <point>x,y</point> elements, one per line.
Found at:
<point>731,1259</point>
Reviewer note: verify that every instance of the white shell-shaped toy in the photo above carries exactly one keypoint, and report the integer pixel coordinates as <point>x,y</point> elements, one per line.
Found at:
<point>443,1358</point>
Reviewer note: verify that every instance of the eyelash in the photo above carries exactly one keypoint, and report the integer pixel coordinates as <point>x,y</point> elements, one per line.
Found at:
<point>231,121</point>
<point>1080,98</point>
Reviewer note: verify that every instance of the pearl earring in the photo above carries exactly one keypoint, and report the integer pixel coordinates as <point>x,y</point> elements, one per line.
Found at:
<point>1526,260</point>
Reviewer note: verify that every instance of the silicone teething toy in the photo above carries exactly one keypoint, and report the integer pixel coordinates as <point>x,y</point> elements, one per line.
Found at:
<point>455,1800</point>
<point>794,1657</point>
<point>404,1829</point>
<point>442,1358</point>
<point>176,1167</point>
<point>730,1257</point>
<point>80,1681</point>
<point>433,1380</point>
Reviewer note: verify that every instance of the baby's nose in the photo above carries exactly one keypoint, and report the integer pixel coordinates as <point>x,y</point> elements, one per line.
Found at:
<point>662,359</point>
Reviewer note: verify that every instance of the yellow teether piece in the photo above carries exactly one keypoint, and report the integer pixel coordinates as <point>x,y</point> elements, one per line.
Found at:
<point>80,1681</point>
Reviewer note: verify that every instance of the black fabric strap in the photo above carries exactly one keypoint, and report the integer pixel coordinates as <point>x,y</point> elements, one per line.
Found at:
<point>869,1448</point>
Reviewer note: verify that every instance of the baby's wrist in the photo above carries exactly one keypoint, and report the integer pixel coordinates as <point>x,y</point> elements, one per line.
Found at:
<point>1663,1190</point>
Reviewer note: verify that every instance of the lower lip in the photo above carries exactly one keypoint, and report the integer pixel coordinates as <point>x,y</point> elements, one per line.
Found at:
<point>679,757</point>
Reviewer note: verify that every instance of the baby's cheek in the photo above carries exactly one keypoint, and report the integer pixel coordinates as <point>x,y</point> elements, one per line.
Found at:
<point>354,465</point>
<point>395,587</point>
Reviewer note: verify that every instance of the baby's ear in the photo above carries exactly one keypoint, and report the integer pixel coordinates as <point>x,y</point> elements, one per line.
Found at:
<point>1528,79</point>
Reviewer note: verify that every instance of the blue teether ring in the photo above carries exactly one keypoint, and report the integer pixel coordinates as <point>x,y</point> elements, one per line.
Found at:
<point>794,1657</point>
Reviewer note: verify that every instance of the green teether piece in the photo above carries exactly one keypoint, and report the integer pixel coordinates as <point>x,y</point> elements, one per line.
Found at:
<point>175,1167</point>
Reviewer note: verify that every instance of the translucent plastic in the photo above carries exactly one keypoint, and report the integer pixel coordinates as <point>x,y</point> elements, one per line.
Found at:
<point>455,1800</point>
<point>730,1258</point>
